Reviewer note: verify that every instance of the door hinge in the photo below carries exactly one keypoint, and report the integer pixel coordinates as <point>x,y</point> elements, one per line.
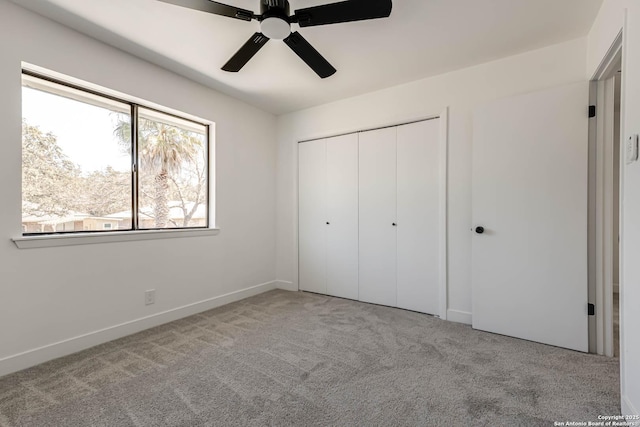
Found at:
<point>592,111</point>
<point>591,309</point>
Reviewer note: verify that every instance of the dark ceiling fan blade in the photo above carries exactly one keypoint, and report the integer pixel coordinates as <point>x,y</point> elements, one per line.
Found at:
<point>214,7</point>
<point>246,52</point>
<point>308,54</point>
<point>344,11</point>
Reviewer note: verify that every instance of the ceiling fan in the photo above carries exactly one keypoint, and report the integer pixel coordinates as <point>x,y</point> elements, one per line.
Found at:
<point>275,23</point>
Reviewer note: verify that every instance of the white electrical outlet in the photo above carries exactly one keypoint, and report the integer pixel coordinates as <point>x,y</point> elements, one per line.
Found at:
<point>150,297</point>
<point>631,149</point>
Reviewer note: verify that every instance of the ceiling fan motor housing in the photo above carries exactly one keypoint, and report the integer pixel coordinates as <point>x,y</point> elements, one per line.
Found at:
<point>275,19</point>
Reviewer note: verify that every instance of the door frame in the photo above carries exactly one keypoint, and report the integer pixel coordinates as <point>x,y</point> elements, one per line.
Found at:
<point>601,339</point>
<point>443,116</point>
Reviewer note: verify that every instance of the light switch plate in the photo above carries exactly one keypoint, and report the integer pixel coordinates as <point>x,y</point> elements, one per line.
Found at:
<point>631,149</point>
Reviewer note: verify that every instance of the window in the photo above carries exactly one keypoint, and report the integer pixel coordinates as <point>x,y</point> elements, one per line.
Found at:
<point>94,163</point>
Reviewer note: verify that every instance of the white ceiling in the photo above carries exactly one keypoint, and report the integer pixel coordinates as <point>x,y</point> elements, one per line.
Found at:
<point>422,38</point>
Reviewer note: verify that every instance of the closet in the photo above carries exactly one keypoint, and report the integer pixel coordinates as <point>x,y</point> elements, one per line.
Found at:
<point>370,216</point>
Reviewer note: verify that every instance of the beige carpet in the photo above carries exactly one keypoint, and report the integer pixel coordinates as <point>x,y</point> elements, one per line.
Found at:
<point>297,359</point>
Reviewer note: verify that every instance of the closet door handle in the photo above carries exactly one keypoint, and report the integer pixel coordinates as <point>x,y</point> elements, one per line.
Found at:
<point>327,222</point>
<point>394,224</point>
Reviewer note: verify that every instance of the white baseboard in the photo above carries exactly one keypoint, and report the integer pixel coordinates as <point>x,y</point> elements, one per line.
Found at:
<point>286,285</point>
<point>459,316</point>
<point>48,352</point>
<point>627,407</point>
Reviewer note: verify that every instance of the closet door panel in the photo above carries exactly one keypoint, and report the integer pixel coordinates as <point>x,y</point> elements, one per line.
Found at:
<point>418,196</point>
<point>377,214</point>
<point>342,215</point>
<point>312,216</point>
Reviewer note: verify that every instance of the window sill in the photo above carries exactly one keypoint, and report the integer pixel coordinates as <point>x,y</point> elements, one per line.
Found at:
<point>47,241</point>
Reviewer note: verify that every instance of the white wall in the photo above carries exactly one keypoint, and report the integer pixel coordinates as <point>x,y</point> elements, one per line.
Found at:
<point>55,294</point>
<point>462,91</point>
<point>610,20</point>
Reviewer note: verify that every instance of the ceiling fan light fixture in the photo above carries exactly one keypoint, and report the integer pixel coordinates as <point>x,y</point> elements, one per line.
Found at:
<point>275,28</point>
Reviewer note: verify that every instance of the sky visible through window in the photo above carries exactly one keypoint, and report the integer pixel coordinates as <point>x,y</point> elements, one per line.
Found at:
<point>80,129</point>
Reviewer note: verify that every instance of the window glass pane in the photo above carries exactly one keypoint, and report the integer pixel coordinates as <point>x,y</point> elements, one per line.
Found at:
<point>76,160</point>
<point>172,176</point>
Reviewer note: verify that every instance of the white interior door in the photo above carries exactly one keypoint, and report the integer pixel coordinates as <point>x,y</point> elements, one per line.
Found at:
<point>342,215</point>
<point>529,267</point>
<point>377,216</point>
<point>312,216</point>
<point>418,199</point>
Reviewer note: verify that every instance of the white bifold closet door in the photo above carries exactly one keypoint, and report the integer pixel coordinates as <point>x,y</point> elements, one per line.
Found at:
<point>400,213</point>
<point>419,180</point>
<point>312,216</point>
<point>328,216</point>
<point>377,261</point>
<point>342,216</point>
